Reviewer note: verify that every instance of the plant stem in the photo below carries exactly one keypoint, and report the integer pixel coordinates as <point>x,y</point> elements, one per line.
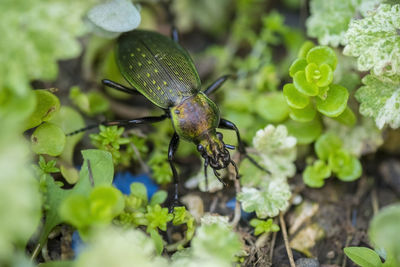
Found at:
<point>285,238</point>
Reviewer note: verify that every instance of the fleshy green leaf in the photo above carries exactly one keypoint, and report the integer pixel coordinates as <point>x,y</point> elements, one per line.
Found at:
<point>335,102</point>
<point>294,98</point>
<point>48,139</point>
<point>314,175</point>
<point>304,87</point>
<point>262,226</point>
<point>307,45</point>
<point>383,232</point>
<point>139,190</point>
<point>303,115</point>
<point>298,65</point>
<point>347,167</point>
<point>347,117</point>
<point>267,201</point>
<point>114,17</point>
<point>272,107</point>
<point>364,257</point>
<point>326,144</point>
<point>159,197</point>
<point>326,75</point>
<point>380,99</point>
<point>305,132</point>
<point>322,55</point>
<point>47,104</point>
<point>375,40</point>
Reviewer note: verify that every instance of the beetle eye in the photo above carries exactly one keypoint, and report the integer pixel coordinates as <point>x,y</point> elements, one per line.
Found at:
<point>220,136</point>
<point>200,148</point>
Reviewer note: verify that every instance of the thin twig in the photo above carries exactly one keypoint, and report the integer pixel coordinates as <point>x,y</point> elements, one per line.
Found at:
<point>36,251</point>
<point>238,212</point>
<point>374,200</point>
<point>285,238</point>
<point>271,250</point>
<point>349,237</point>
<point>90,174</point>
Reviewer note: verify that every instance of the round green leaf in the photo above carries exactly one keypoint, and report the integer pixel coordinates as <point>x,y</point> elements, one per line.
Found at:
<point>347,117</point>
<point>106,202</point>
<point>326,73</point>
<point>298,65</point>
<point>294,98</point>
<point>301,84</point>
<point>350,171</point>
<point>305,48</point>
<point>312,72</point>
<point>305,132</point>
<point>47,104</point>
<point>339,159</point>
<point>314,175</point>
<point>75,210</point>
<point>335,102</point>
<point>384,231</point>
<point>139,190</point>
<point>303,115</point>
<point>322,54</point>
<point>159,197</point>
<point>48,139</point>
<point>273,107</point>
<point>326,144</point>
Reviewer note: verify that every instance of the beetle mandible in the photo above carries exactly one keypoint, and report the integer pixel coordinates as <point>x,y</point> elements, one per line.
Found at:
<point>160,69</point>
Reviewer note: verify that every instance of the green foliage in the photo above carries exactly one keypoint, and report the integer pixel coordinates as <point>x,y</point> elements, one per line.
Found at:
<point>329,21</point>
<point>98,209</point>
<point>48,139</point>
<point>113,140</point>
<point>267,194</point>
<point>121,16</point>
<point>304,132</point>
<point>312,89</point>
<point>47,167</point>
<point>375,40</point>
<point>26,55</point>
<point>97,170</point>
<point>383,233</point>
<point>91,104</point>
<point>159,165</point>
<point>47,104</point>
<point>262,226</point>
<point>332,159</point>
<point>364,257</point>
<point>380,99</point>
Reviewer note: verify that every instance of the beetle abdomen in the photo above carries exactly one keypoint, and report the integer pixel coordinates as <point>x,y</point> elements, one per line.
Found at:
<point>157,67</point>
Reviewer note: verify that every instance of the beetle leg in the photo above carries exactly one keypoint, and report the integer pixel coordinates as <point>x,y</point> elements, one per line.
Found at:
<point>205,172</point>
<point>225,124</point>
<point>174,34</point>
<point>144,120</point>
<point>120,87</point>
<point>173,146</point>
<point>217,84</point>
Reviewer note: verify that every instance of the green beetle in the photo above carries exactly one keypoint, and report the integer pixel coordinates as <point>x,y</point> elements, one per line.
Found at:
<point>161,70</point>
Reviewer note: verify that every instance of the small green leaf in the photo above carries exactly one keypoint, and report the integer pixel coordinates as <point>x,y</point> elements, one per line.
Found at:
<point>314,175</point>
<point>159,197</point>
<point>273,107</point>
<point>262,226</point>
<point>365,257</point>
<point>106,202</point>
<point>158,241</point>
<point>312,72</point>
<point>294,98</point>
<point>298,65</point>
<point>48,139</point>
<point>347,117</point>
<point>303,115</point>
<point>139,190</point>
<point>322,54</point>
<point>326,144</point>
<point>338,159</point>
<point>305,132</point>
<point>351,171</point>
<point>335,102</point>
<point>47,104</point>
<point>305,48</point>
<point>326,75</point>
<point>384,232</point>
<point>75,210</point>
<point>304,87</point>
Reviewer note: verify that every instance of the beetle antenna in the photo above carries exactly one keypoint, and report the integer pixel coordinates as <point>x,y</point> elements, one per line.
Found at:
<point>236,169</point>
<point>205,172</point>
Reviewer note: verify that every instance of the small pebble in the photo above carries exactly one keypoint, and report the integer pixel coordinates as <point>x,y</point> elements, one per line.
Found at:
<point>330,254</point>
<point>307,262</point>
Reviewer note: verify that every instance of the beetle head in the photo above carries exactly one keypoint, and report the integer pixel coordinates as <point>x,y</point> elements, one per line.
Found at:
<point>213,150</point>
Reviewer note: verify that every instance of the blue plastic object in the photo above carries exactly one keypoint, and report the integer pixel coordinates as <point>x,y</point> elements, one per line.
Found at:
<point>123,180</point>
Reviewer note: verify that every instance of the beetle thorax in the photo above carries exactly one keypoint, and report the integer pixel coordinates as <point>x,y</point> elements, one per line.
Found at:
<point>194,117</point>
